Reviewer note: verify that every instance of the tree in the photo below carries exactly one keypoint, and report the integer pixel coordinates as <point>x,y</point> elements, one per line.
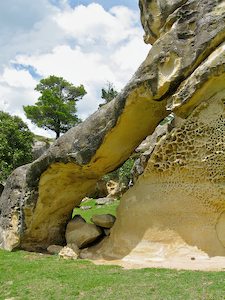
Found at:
<point>123,173</point>
<point>56,107</point>
<point>15,144</point>
<point>108,93</point>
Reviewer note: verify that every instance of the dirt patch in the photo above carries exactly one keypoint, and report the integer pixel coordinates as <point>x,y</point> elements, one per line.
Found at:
<point>209,264</point>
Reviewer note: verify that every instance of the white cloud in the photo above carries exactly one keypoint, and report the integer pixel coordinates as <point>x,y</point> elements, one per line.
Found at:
<point>73,64</point>
<point>27,27</point>
<point>93,24</point>
<point>85,45</point>
<point>17,78</point>
<point>14,96</point>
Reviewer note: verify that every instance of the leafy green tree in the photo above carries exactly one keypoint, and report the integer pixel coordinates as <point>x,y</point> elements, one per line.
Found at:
<point>122,174</point>
<point>56,107</point>
<point>15,144</point>
<point>108,93</point>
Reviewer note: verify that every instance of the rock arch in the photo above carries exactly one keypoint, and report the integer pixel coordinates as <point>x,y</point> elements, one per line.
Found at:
<point>184,73</point>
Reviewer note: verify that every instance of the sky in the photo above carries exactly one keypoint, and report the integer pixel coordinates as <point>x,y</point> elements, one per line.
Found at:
<point>86,42</point>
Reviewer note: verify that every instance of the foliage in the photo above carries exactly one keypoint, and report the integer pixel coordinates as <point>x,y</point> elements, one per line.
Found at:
<point>123,173</point>
<point>168,119</point>
<point>108,93</point>
<point>56,107</point>
<point>96,210</point>
<point>31,276</point>
<point>15,144</point>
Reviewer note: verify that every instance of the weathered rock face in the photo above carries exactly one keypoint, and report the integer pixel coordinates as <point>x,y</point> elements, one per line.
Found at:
<point>146,148</point>
<point>179,199</point>
<point>154,16</point>
<point>39,148</point>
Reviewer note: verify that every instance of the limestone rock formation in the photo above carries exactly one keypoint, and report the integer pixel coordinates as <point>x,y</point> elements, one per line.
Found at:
<point>105,221</point>
<point>179,200</point>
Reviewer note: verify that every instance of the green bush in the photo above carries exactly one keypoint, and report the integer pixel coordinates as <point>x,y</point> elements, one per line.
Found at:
<point>15,144</point>
<point>122,174</point>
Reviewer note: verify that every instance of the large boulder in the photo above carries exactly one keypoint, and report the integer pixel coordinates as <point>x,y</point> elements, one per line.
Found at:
<point>179,199</point>
<point>105,220</point>
<point>80,233</point>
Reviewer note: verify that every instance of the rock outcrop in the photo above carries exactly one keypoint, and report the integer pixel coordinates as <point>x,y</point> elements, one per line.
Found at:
<point>177,206</point>
<point>179,201</point>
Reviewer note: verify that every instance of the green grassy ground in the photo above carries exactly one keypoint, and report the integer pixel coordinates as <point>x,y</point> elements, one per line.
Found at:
<point>30,276</point>
<point>95,209</point>
<point>27,276</point>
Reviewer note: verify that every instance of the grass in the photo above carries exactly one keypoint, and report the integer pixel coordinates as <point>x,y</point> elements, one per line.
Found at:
<point>28,276</point>
<point>96,209</point>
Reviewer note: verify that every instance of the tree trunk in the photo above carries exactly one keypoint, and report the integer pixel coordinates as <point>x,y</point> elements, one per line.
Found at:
<point>57,129</point>
<point>57,134</point>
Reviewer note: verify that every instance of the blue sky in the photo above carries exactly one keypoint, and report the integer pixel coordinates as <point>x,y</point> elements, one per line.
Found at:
<point>107,4</point>
<point>86,42</point>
